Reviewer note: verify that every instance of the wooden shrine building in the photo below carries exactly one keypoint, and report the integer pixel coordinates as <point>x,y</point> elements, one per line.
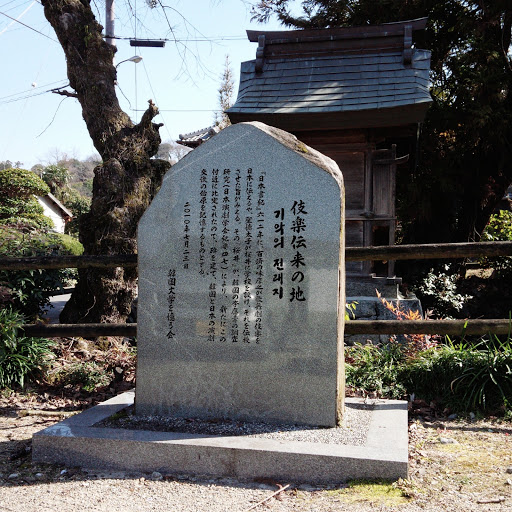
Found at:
<point>350,93</point>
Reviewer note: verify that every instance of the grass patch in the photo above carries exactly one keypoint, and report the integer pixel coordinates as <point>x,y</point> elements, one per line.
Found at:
<point>383,492</point>
<point>119,415</point>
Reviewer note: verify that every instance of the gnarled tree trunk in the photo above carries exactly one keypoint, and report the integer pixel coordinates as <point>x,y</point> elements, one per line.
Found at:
<point>127,179</point>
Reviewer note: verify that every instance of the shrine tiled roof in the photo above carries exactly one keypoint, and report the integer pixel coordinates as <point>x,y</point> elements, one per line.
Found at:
<point>344,81</point>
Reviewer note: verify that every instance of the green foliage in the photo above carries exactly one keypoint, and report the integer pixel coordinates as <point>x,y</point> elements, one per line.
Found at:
<point>17,202</point>
<point>78,204</point>
<point>15,207</point>
<point>14,210</point>
<point>376,369</point>
<point>55,176</point>
<point>499,228</point>
<point>19,183</point>
<point>467,376</point>
<point>20,357</point>
<point>438,292</point>
<point>85,188</point>
<point>29,222</point>
<point>88,375</point>
<point>31,289</point>
<point>66,244</point>
<point>486,380</point>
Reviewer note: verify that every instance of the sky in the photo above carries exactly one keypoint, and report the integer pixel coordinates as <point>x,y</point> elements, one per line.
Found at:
<point>38,126</point>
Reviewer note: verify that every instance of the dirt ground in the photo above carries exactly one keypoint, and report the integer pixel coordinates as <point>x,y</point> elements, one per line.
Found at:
<point>457,465</point>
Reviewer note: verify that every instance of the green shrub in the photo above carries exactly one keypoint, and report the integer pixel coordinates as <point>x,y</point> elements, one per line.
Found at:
<point>467,376</point>
<point>486,379</point>
<point>499,228</point>
<point>31,289</point>
<point>20,183</point>
<point>29,222</point>
<point>439,294</point>
<point>25,211</point>
<point>431,374</point>
<point>66,244</point>
<point>87,375</point>
<point>55,176</point>
<point>18,204</point>
<point>78,204</point>
<point>20,357</point>
<point>376,369</point>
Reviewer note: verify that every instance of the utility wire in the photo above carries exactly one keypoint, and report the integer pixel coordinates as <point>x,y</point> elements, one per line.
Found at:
<point>125,97</point>
<point>13,1</point>
<point>14,100</point>
<point>154,95</point>
<point>204,39</point>
<point>53,118</point>
<point>18,18</point>
<point>33,89</point>
<point>28,26</point>
<point>180,110</point>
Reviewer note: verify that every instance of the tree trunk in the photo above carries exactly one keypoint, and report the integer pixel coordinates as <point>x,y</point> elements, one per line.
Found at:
<point>128,178</point>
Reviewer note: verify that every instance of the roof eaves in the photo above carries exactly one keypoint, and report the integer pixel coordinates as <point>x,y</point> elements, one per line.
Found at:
<point>54,200</point>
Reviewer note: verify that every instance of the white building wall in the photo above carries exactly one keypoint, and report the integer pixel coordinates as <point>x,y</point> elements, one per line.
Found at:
<point>52,210</point>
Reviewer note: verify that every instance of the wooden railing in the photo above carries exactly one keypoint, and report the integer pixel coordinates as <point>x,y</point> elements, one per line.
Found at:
<point>394,252</point>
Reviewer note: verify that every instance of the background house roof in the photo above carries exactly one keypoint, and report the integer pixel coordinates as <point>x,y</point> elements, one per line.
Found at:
<point>63,210</point>
<point>194,139</point>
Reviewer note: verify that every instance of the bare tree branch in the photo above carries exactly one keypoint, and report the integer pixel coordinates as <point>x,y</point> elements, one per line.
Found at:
<point>65,93</point>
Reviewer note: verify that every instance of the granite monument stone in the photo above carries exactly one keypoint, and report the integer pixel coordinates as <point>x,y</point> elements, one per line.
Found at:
<point>241,283</point>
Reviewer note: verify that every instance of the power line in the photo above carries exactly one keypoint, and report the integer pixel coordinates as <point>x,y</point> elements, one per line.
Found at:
<point>179,110</point>
<point>29,27</point>
<point>33,89</point>
<point>204,39</point>
<point>53,118</point>
<point>27,96</point>
<point>18,18</point>
<point>14,100</point>
<point>125,97</point>
<point>12,2</point>
<point>154,96</point>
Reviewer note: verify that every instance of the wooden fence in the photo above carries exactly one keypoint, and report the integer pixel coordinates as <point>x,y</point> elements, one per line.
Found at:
<point>394,252</point>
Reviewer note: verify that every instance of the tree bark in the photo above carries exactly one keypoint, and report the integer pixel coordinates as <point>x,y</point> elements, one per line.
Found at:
<point>128,178</point>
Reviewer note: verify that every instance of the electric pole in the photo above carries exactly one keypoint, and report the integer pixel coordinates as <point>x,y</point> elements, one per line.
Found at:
<point>109,22</point>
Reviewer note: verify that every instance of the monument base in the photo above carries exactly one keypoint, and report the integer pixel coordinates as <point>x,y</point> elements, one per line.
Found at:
<point>76,441</point>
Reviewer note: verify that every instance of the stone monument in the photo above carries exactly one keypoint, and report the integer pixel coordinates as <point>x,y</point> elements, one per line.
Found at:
<point>241,316</point>
<point>241,283</point>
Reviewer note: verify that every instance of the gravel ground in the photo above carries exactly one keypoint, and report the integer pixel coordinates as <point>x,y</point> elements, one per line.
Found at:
<point>353,432</point>
<point>455,466</point>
